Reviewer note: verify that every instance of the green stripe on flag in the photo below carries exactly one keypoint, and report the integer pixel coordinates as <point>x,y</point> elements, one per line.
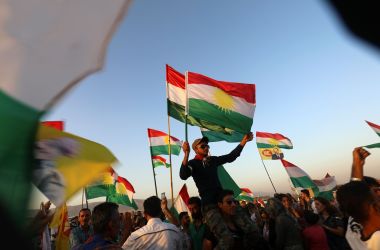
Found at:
<point>214,114</point>
<point>376,145</point>
<point>227,182</point>
<point>303,182</point>
<point>265,145</point>
<point>123,200</point>
<point>163,150</point>
<point>214,136</point>
<point>99,191</point>
<point>18,129</point>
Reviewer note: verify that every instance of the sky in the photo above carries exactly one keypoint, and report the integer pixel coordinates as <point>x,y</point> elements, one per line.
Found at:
<point>315,84</point>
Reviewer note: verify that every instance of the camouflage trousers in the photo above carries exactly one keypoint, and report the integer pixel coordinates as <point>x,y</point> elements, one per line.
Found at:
<point>218,227</point>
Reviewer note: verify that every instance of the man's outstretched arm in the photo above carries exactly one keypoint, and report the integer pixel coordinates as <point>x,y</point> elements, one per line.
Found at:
<point>236,152</point>
<point>185,171</point>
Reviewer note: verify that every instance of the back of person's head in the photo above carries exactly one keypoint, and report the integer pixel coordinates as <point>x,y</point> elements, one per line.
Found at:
<point>280,196</point>
<point>195,200</point>
<point>371,182</point>
<point>354,198</point>
<point>102,215</point>
<point>223,193</point>
<point>306,192</point>
<point>152,207</point>
<point>311,218</point>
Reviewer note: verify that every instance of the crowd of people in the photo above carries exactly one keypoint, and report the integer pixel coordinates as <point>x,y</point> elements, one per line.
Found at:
<point>216,220</point>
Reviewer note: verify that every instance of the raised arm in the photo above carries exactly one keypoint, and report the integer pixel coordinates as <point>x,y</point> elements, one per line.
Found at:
<point>185,171</point>
<point>359,155</point>
<point>236,152</point>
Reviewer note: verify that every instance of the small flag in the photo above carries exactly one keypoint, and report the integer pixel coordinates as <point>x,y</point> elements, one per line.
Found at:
<point>159,161</point>
<point>159,141</point>
<point>245,195</point>
<point>375,127</point>
<point>124,193</point>
<point>182,201</point>
<point>269,145</point>
<point>227,104</point>
<point>299,178</point>
<point>326,186</point>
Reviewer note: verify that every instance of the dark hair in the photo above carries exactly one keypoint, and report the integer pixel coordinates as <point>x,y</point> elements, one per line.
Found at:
<point>330,209</point>
<point>84,209</point>
<point>195,200</point>
<point>223,193</point>
<point>353,198</point>
<point>311,218</point>
<point>181,215</point>
<point>102,215</point>
<point>306,191</point>
<point>371,182</point>
<point>152,206</point>
<point>280,196</point>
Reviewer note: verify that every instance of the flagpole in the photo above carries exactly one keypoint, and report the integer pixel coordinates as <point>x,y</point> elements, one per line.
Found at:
<point>85,195</point>
<point>170,152</point>
<point>82,197</point>
<point>268,175</point>
<point>187,104</point>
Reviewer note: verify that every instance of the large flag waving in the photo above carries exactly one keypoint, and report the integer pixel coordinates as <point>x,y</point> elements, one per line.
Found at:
<point>124,193</point>
<point>176,97</point>
<point>46,48</point>
<point>66,163</point>
<point>228,104</point>
<point>104,186</point>
<point>299,178</point>
<point>230,136</point>
<point>269,145</point>
<point>159,141</point>
<point>326,186</point>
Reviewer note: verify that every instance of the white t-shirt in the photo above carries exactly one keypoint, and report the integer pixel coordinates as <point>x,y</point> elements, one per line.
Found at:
<point>353,236</point>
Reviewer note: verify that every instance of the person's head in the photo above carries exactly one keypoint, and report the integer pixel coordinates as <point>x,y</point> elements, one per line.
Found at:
<point>152,207</point>
<point>226,202</point>
<point>305,194</point>
<point>276,150</point>
<point>373,184</point>
<point>84,217</point>
<point>195,205</point>
<point>284,200</point>
<point>184,219</point>
<point>243,203</point>
<point>264,216</point>
<point>323,205</point>
<point>200,146</point>
<point>274,207</point>
<point>311,218</point>
<point>357,200</point>
<point>106,219</point>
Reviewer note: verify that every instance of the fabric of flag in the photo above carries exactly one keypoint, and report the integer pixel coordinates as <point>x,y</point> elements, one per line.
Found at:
<point>54,124</point>
<point>124,193</point>
<point>182,201</point>
<point>104,187</point>
<point>245,195</point>
<point>326,186</point>
<point>269,140</point>
<point>66,163</point>
<point>61,221</point>
<point>159,141</point>
<point>375,127</point>
<point>227,182</point>
<point>46,48</point>
<point>299,178</point>
<point>214,136</point>
<point>375,145</point>
<point>228,104</point>
<point>271,153</point>
<point>159,161</point>
<point>176,98</point>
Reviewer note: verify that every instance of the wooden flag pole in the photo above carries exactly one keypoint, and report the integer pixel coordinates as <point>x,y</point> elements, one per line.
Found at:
<point>268,174</point>
<point>170,151</point>
<point>187,105</point>
<point>154,173</point>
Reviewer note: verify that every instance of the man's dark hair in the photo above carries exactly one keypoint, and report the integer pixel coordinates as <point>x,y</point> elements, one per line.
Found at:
<point>371,182</point>
<point>353,198</point>
<point>181,215</point>
<point>195,200</point>
<point>305,191</point>
<point>311,218</point>
<point>152,206</point>
<point>102,215</point>
<point>280,196</point>
<point>85,209</point>
<point>223,193</point>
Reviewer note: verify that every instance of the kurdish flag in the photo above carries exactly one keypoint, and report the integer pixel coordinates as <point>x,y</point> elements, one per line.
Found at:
<point>375,127</point>
<point>159,161</point>
<point>214,136</point>
<point>326,186</point>
<point>182,201</point>
<point>159,141</point>
<point>124,193</point>
<point>47,47</point>
<point>245,195</point>
<point>299,178</point>
<point>227,182</point>
<point>104,187</point>
<point>176,98</point>
<point>228,104</point>
<point>268,140</point>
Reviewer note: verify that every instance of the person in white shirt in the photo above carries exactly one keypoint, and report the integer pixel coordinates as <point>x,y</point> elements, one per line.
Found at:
<point>156,234</point>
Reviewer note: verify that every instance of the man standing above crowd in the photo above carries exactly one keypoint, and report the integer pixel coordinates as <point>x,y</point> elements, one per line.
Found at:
<point>204,170</point>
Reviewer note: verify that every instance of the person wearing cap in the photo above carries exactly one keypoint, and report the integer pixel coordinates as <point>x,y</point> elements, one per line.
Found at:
<point>204,170</point>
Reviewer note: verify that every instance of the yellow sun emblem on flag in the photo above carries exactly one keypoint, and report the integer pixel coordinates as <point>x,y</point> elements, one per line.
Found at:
<point>273,142</point>
<point>120,188</point>
<point>166,140</point>
<point>108,179</point>
<point>223,100</point>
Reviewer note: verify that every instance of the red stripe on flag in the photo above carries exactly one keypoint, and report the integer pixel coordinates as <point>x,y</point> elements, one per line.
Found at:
<point>247,190</point>
<point>270,135</point>
<point>157,157</point>
<point>373,125</point>
<point>126,183</point>
<point>157,133</point>
<point>175,78</point>
<point>54,124</point>
<point>184,194</point>
<point>287,164</point>
<point>242,90</point>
